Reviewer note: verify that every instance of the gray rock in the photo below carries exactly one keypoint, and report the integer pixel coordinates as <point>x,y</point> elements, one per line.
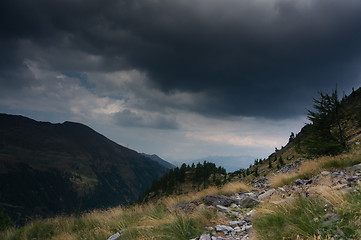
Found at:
<point>237,229</point>
<point>235,223</point>
<point>209,228</point>
<point>291,166</point>
<point>266,194</point>
<point>303,181</point>
<point>325,173</point>
<point>215,200</point>
<point>225,229</point>
<point>205,236</point>
<point>245,237</point>
<point>250,213</point>
<point>223,208</point>
<point>247,201</point>
<point>114,237</point>
<point>354,170</point>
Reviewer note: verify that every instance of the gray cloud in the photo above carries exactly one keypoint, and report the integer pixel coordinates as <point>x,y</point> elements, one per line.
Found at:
<point>250,58</point>
<point>128,118</point>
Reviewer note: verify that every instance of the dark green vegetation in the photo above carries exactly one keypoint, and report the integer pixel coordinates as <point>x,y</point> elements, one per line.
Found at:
<point>305,218</point>
<point>200,175</point>
<point>330,120</point>
<point>48,169</point>
<point>327,131</point>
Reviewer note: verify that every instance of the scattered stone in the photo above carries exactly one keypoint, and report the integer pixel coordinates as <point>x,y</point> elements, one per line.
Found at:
<point>235,223</point>
<point>266,194</point>
<point>210,229</point>
<point>250,213</point>
<point>241,226</point>
<point>225,229</point>
<point>291,166</point>
<point>354,170</point>
<point>261,183</point>
<point>303,181</point>
<point>247,201</point>
<point>325,173</point>
<point>234,205</point>
<point>237,229</point>
<point>223,208</point>
<point>215,200</point>
<point>248,228</point>
<point>245,237</point>
<point>205,236</point>
<point>116,236</point>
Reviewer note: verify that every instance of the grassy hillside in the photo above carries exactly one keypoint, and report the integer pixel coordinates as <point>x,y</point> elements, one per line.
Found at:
<point>142,221</point>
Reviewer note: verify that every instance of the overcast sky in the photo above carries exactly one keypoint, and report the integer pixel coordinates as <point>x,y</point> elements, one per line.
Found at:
<point>183,79</point>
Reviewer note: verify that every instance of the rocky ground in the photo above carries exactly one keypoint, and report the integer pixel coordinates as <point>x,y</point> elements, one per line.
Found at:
<point>235,212</point>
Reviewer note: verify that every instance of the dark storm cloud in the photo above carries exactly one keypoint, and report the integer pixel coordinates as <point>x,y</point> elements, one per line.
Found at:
<point>253,58</point>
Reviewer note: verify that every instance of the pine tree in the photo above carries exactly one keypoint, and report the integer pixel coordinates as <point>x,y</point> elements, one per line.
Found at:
<point>292,137</point>
<point>269,163</point>
<point>327,133</point>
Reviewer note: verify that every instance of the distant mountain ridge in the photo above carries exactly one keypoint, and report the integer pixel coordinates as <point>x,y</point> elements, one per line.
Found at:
<point>156,158</point>
<point>47,169</point>
<point>230,163</point>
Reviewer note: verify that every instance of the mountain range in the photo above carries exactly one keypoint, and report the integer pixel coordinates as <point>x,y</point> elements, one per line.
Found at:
<point>48,169</point>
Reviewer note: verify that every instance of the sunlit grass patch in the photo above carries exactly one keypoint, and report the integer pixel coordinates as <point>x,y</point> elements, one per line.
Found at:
<point>226,189</point>
<point>304,218</point>
<point>313,167</point>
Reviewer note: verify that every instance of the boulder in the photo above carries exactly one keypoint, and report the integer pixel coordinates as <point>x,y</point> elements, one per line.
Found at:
<point>247,201</point>
<point>215,200</point>
<point>354,170</point>
<point>266,194</point>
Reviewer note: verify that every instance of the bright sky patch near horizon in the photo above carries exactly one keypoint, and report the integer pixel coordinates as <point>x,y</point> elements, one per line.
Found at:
<point>182,79</point>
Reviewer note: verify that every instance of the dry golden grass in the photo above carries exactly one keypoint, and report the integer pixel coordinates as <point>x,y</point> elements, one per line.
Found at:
<point>313,167</point>
<point>145,221</point>
<point>228,188</point>
<point>234,187</point>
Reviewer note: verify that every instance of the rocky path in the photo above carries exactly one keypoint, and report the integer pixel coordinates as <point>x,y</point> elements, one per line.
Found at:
<point>235,212</point>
